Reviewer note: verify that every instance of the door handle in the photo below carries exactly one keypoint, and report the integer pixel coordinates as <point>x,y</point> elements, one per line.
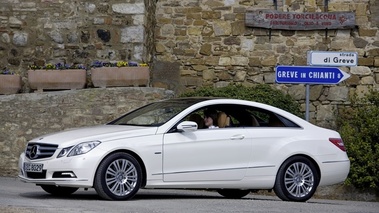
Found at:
<point>237,137</point>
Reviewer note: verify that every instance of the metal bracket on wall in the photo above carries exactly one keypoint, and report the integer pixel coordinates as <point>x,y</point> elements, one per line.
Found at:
<point>276,8</point>
<point>326,6</point>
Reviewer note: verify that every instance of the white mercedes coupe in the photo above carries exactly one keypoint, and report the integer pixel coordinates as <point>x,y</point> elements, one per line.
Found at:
<point>166,145</point>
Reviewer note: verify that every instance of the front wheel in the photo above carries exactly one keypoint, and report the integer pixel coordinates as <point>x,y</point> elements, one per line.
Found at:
<point>233,193</point>
<point>297,179</point>
<point>58,190</point>
<point>118,177</point>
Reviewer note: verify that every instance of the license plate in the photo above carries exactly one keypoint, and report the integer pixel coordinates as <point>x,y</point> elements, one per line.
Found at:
<point>33,167</point>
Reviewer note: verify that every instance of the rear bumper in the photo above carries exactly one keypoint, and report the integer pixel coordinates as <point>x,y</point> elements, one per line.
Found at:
<point>334,172</point>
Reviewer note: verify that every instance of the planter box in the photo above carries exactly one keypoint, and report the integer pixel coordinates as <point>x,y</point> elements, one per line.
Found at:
<point>120,76</point>
<point>57,79</point>
<point>10,84</point>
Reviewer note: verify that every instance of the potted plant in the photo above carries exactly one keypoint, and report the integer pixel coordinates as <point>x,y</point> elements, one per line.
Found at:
<point>119,74</point>
<point>10,83</point>
<point>58,76</point>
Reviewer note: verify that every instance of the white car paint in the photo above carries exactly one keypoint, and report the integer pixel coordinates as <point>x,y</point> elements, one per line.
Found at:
<point>242,158</point>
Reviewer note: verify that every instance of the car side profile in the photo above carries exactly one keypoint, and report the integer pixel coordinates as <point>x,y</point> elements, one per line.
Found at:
<point>165,145</point>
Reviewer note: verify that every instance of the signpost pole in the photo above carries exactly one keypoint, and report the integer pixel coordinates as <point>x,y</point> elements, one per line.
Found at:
<point>307,102</point>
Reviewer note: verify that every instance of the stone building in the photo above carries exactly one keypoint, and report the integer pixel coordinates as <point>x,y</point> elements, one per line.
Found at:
<point>191,43</point>
<point>187,43</point>
<point>208,44</point>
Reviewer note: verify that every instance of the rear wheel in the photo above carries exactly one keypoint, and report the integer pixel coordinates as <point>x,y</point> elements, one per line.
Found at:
<point>118,177</point>
<point>233,193</point>
<point>58,190</point>
<point>297,179</point>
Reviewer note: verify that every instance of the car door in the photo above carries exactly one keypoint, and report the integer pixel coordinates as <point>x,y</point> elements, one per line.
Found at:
<point>220,154</point>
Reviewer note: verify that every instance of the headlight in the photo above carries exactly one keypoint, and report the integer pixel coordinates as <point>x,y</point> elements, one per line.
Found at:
<point>79,149</point>
<point>64,152</point>
<point>83,148</point>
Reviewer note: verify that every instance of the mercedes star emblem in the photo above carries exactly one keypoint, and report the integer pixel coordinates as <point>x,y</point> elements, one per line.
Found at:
<point>34,152</point>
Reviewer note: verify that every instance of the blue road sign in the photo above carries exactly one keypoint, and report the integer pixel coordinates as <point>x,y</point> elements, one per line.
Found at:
<point>309,75</point>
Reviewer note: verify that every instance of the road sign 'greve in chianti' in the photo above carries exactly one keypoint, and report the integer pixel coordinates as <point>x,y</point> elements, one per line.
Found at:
<point>310,75</point>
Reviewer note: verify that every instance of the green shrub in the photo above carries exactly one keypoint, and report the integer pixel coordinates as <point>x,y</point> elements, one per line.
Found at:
<point>359,128</point>
<point>262,93</point>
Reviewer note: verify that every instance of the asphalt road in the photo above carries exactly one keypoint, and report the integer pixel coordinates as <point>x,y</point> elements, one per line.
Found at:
<point>19,197</point>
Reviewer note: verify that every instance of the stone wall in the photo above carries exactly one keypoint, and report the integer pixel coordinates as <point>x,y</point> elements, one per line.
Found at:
<point>190,43</point>
<point>25,116</point>
<point>36,32</point>
<point>187,43</point>
<point>209,43</point>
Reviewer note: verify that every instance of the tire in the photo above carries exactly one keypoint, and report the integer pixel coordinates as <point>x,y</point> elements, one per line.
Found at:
<point>233,193</point>
<point>118,177</point>
<point>58,190</point>
<point>297,179</point>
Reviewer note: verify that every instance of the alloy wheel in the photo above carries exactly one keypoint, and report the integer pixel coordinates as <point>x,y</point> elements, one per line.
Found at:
<point>121,177</point>
<point>299,179</point>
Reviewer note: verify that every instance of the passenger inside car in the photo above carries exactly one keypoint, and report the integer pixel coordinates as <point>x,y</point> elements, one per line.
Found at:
<point>210,118</point>
<point>223,120</point>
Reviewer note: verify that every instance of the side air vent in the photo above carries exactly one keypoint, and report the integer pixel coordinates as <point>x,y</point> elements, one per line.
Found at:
<point>36,175</point>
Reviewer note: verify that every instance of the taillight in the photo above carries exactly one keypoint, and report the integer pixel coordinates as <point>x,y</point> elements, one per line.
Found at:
<point>339,143</point>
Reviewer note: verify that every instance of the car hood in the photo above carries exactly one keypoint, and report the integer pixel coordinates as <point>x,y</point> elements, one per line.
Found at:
<point>103,133</point>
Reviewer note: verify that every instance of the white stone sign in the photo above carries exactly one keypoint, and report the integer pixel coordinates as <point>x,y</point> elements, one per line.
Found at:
<point>336,59</point>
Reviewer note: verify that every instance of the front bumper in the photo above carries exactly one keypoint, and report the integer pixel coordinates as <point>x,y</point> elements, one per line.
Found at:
<point>75,171</point>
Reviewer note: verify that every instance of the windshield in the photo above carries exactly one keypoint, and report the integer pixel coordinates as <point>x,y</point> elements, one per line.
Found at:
<point>154,114</point>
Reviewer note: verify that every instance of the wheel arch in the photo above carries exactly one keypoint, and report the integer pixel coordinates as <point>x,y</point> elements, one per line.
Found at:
<point>301,155</point>
<point>135,155</point>
<point>297,188</point>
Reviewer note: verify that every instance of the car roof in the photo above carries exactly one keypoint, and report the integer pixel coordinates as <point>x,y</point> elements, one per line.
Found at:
<point>191,100</point>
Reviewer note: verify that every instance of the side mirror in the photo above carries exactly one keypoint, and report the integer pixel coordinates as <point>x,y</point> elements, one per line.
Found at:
<point>187,126</point>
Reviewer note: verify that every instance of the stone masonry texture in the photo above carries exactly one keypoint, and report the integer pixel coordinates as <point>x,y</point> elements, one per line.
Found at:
<point>213,47</point>
<point>188,44</point>
<point>26,116</point>
<point>38,32</point>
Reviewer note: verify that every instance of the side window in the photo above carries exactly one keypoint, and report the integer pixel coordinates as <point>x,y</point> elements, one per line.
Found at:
<point>287,123</point>
<point>228,116</point>
<point>258,117</point>
<point>269,119</point>
<point>198,118</point>
<point>211,117</point>
<point>241,116</point>
<point>234,116</point>
<point>274,121</point>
